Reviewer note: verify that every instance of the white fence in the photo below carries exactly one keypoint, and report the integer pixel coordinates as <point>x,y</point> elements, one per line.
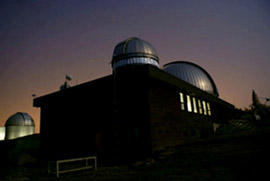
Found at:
<point>58,171</point>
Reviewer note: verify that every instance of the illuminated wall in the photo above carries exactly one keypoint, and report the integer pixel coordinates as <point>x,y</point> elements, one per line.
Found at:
<point>2,133</point>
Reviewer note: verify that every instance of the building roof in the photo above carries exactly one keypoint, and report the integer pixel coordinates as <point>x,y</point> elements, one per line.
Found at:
<point>101,85</point>
<point>104,85</point>
<point>20,119</point>
<point>193,74</point>
<point>134,51</point>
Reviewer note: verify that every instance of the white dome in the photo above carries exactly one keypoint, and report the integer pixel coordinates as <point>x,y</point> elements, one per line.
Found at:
<point>20,119</point>
<point>19,125</point>
<point>193,74</point>
<point>134,51</point>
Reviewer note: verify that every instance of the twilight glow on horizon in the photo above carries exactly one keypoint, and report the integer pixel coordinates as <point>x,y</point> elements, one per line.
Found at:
<point>42,41</point>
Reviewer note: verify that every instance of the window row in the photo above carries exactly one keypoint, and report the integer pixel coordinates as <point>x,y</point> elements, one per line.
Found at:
<point>192,104</point>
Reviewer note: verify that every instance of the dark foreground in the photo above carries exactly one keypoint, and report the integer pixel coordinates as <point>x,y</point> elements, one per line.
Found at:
<point>239,156</point>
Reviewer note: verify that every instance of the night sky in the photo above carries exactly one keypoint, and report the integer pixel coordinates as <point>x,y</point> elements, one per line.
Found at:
<point>42,41</point>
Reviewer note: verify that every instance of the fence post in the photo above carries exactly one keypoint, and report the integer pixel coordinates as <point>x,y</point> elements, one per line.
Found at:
<point>57,169</point>
<point>95,163</point>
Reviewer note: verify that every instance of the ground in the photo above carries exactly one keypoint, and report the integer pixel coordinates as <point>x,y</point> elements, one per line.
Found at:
<point>238,156</point>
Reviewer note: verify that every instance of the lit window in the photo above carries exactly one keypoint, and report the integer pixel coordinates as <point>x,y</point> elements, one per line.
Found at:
<point>204,108</point>
<point>182,102</point>
<point>194,105</point>
<point>189,107</point>
<point>209,109</point>
<point>200,106</point>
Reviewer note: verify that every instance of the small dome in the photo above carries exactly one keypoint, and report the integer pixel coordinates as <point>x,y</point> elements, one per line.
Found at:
<point>20,119</point>
<point>193,74</point>
<point>134,51</point>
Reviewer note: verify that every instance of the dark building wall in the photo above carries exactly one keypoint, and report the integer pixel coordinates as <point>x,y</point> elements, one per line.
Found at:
<point>221,113</point>
<point>71,119</point>
<point>166,126</point>
<point>65,134</point>
<point>108,118</point>
<point>133,109</point>
<point>169,124</point>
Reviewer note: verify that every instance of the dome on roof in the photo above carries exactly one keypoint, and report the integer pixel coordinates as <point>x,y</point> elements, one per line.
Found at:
<point>193,74</point>
<point>19,125</point>
<point>134,51</point>
<point>20,119</point>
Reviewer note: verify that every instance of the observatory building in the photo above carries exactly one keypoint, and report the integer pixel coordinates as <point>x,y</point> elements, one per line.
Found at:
<point>19,125</point>
<point>138,109</point>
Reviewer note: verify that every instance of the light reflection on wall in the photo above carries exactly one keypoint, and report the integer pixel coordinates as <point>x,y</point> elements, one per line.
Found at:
<point>182,102</point>
<point>204,108</point>
<point>2,133</point>
<point>208,108</point>
<point>189,107</point>
<point>194,105</point>
<point>200,106</point>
